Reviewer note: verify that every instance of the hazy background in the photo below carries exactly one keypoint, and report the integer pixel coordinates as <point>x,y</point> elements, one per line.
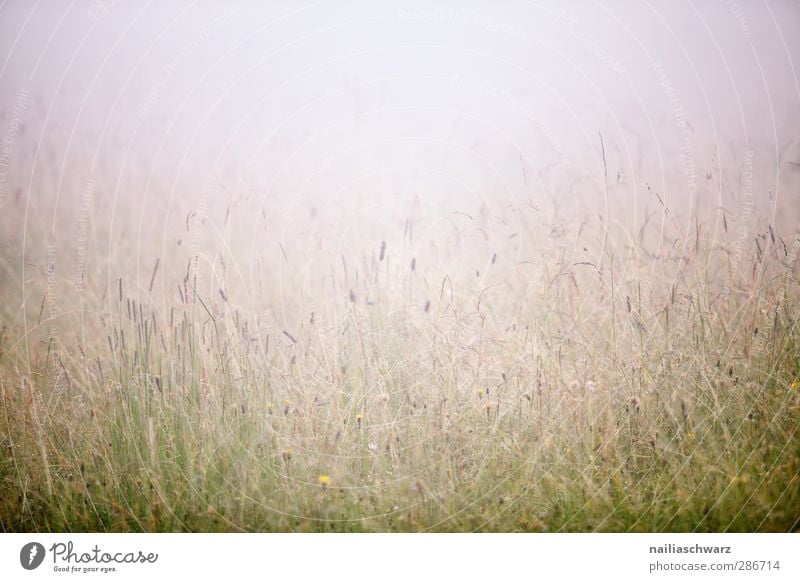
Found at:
<point>399,266</point>
<point>121,118</point>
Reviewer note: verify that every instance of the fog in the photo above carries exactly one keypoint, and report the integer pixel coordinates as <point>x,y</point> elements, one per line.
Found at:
<point>399,266</point>
<point>306,109</point>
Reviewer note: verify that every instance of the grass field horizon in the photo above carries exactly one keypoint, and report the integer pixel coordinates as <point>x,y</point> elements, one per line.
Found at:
<point>621,381</point>
<point>427,273</point>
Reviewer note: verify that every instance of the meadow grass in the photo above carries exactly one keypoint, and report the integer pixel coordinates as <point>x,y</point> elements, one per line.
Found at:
<point>615,380</point>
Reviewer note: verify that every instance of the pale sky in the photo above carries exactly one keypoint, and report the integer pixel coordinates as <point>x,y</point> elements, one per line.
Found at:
<point>295,100</point>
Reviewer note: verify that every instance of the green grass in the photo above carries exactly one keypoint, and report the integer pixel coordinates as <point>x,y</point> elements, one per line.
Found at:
<point>639,386</point>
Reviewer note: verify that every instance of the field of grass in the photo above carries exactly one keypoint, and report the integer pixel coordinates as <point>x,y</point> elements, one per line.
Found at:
<point>501,369</point>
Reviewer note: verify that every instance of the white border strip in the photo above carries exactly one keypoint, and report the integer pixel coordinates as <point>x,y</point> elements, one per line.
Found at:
<point>407,557</point>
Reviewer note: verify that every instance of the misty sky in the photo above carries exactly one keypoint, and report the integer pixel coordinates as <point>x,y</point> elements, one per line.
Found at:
<point>459,100</point>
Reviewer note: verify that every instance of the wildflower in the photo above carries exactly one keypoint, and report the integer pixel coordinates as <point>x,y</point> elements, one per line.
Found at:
<point>287,454</point>
<point>480,392</point>
<point>795,385</point>
<point>372,446</point>
<point>324,480</point>
<point>359,418</point>
<point>591,386</point>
